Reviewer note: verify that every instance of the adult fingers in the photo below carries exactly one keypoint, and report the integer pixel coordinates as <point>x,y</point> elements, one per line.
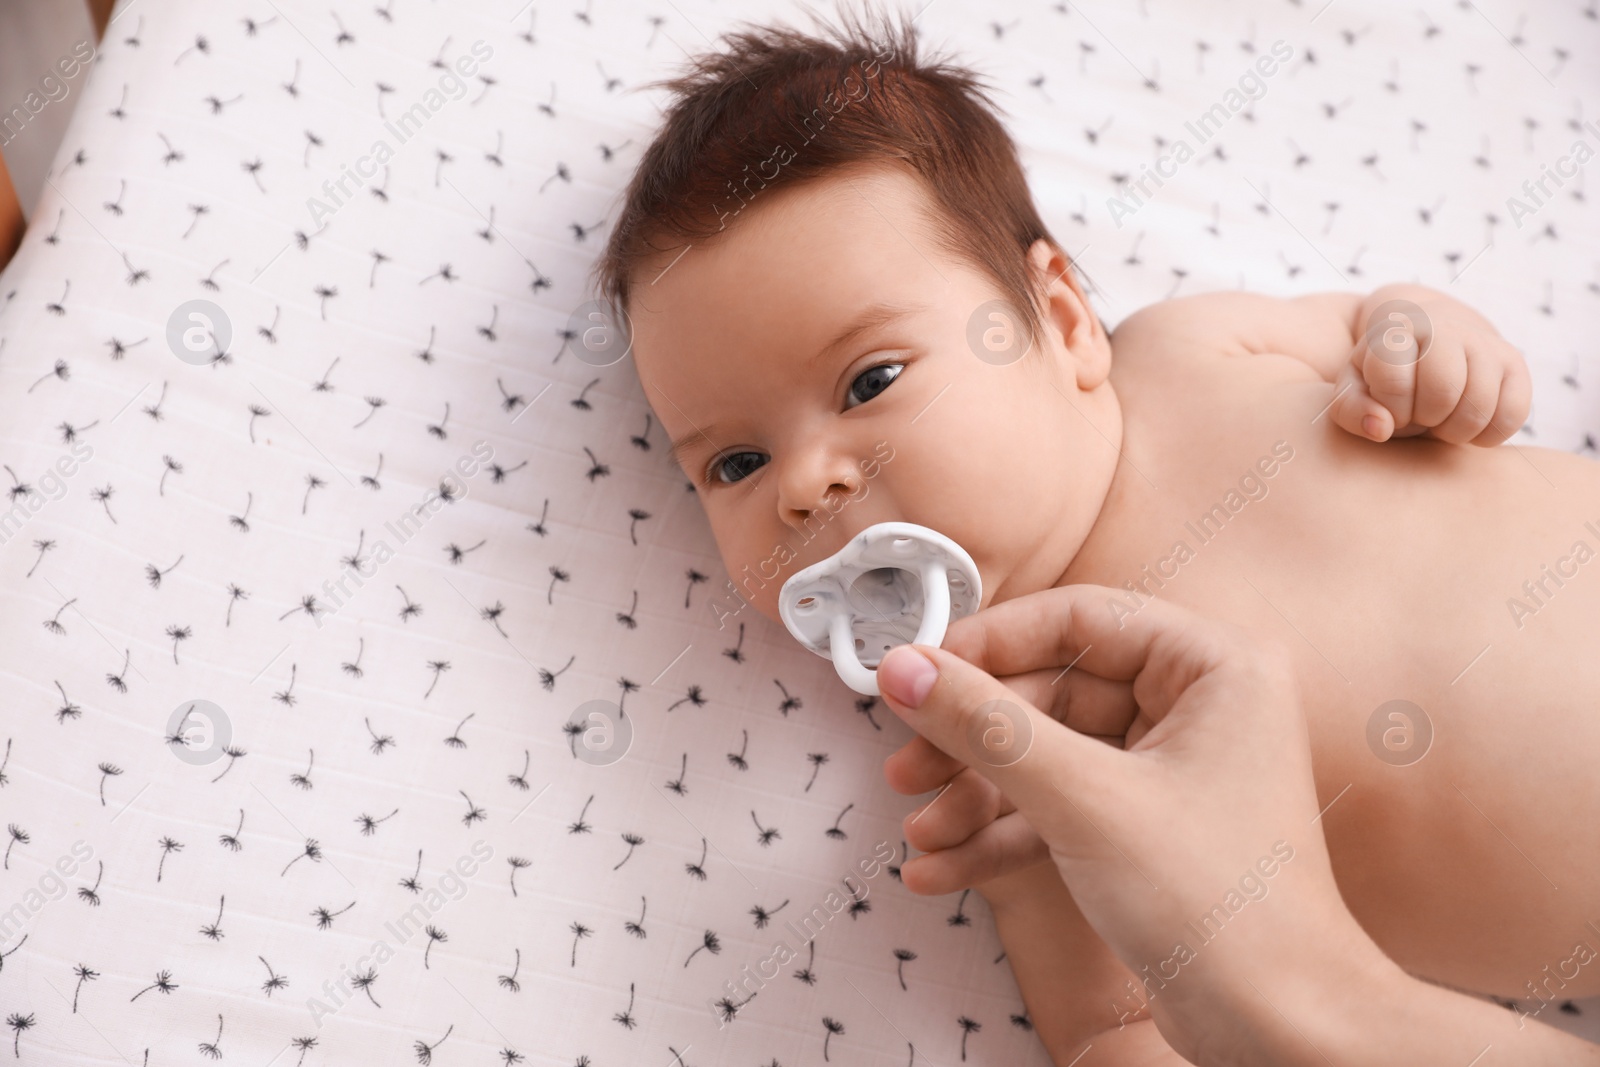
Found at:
<point>1074,625</point>
<point>966,804</point>
<point>1005,845</point>
<point>973,717</point>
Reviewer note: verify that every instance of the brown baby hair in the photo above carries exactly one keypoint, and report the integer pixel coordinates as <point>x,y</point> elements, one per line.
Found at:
<point>779,106</point>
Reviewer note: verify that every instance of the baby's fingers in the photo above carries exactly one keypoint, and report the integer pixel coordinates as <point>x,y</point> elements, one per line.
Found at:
<point>1495,402</point>
<point>1005,845</point>
<point>1389,369</point>
<point>1354,410</point>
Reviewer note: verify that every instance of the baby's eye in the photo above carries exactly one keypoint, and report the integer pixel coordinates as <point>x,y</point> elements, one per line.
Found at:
<point>872,381</point>
<point>738,461</point>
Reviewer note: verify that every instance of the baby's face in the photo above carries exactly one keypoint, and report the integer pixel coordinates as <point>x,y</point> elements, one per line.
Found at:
<point>798,430</point>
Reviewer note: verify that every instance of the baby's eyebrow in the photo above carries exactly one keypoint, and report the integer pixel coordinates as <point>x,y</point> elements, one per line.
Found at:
<point>871,317</point>
<point>682,443</point>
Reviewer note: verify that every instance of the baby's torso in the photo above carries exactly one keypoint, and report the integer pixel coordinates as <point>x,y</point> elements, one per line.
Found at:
<point>1463,582</point>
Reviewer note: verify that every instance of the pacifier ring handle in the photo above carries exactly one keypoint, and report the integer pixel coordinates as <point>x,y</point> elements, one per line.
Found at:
<point>817,604</point>
<point>935,620</point>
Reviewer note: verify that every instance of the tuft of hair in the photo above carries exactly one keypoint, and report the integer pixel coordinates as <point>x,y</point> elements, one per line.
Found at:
<point>778,106</point>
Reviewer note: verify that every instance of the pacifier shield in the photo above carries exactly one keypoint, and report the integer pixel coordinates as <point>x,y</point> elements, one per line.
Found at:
<point>894,583</point>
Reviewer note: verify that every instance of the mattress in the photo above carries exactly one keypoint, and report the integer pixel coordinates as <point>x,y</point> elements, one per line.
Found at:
<point>332,549</point>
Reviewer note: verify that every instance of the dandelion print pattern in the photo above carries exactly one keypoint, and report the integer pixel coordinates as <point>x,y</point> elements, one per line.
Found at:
<point>394,522</point>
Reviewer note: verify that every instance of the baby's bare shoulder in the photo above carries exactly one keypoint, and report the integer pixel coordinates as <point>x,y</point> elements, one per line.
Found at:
<point>1315,330</point>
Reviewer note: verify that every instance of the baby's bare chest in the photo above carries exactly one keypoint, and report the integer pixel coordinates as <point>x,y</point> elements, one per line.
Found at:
<point>1443,612</point>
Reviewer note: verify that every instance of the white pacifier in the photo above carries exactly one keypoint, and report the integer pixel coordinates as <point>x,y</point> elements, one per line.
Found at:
<point>895,583</point>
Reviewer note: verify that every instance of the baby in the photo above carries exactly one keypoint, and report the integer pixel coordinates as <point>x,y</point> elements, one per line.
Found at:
<point>845,309</point>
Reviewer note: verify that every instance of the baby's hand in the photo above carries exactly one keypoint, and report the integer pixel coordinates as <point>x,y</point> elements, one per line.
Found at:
<point>1428,364</point>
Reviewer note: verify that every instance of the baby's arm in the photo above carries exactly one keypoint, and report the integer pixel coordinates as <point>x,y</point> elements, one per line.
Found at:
<point>1407,359</point>
<point>1078,994</point>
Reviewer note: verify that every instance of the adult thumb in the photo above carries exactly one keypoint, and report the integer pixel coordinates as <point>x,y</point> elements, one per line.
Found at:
<point>973,717</point>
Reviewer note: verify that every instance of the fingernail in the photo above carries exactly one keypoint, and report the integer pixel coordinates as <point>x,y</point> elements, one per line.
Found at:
<point>906,675</point>
<point>1372,426</point>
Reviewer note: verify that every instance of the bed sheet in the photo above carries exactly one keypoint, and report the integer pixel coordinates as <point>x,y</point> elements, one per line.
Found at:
<point>306,593</point>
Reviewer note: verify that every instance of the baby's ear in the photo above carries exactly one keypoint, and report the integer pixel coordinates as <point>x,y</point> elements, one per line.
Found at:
<point>1067,311</point>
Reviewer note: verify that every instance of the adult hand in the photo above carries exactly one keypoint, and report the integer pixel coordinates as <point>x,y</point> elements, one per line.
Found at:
<point>1193,847</point>
<point>1200,814</point>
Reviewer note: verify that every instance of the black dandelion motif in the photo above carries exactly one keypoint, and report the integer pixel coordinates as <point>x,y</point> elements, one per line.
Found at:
<point>163,985</point>
<point>968,1028</point>
<point>107,770</point>
<point>369,823</point>
<point>581,827</point>
<point>902,957</point>
<point>697,869</point>
<point>325,917</point>
<point>762,916</point>
<point>474,813</point>
<point>364,981</point>
<point>517,863</point>
<point>454,740</point>
<point>579,932</point>
<point>379,742</point>
<point>548,679</point>
<point>303,781</point>
<point>231,841</point>
<point>509,981</point>
<point>637,928</point>
<point>425,1051</point>
<point>84,975</point>
<point>18,836</point>
<point>311,850</point>
<point>633,841</point>
<point>213,929</point>
<point>767,833</point>
<point>212,1050</point>
<point>91,894</point>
